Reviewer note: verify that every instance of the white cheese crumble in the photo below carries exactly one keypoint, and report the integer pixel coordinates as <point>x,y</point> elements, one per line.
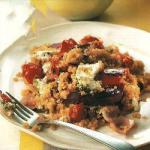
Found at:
<point>86,73</point>
<point>44,54</point>
<point>46,67</point>
<point>41,86</point>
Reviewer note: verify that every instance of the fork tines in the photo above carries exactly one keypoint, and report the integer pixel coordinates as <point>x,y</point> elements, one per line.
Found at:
<point>17,102</point>
<point>21,111</point>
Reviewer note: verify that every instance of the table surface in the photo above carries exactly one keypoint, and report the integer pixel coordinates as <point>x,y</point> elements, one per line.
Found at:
<point>134,13</point>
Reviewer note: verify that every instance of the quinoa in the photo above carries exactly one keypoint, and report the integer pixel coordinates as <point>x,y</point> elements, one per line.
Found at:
<point>59,91</point>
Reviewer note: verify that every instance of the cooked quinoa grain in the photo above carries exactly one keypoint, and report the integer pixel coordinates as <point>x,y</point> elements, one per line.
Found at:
<point>84,83</point>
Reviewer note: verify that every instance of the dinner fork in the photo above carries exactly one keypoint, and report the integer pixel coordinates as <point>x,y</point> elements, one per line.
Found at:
<point>26,115</point>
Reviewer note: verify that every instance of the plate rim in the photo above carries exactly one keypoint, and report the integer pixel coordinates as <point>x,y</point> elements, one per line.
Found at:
<point>93,22</point>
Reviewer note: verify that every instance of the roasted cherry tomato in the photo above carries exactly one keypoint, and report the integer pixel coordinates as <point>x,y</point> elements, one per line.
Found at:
<point>77,113</point>
<point>55,60</point>
<point>87,39</point>
<point>54,70</point>
<point>67,45</point>
<point>54,73</point>
<point>111,80</point>
<point>31,71</point>
<point>125,59</point>
<point>111,77</point>
<point>5,98</point>
<point>97,43</point>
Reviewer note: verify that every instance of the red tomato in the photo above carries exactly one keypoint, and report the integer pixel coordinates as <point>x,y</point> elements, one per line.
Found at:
<point>55,60</point>
<point>88,39</point>
<point>76,112</point>
<point>54,73</point>
<point>111,77</point>
<point>111,80</point>
<point>5,98</point>
<point>31,71</point>
<point>67,45</point>
<point>54,67</point>
<point>125,59</point>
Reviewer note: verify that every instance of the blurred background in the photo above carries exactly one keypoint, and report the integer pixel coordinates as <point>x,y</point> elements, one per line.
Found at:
<point>134,13</point>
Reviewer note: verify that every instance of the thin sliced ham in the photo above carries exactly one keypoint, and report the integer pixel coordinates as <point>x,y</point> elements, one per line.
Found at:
<point>110,112</point>
<point>118,123</point>
<point>122,124</point>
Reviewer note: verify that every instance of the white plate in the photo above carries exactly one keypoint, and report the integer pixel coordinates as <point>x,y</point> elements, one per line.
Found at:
<point>135,41</point>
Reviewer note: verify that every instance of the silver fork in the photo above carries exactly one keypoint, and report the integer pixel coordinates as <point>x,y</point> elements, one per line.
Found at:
<point>26,115</point>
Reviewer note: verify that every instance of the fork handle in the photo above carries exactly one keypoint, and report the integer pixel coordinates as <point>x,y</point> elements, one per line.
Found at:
<point>107,140</point>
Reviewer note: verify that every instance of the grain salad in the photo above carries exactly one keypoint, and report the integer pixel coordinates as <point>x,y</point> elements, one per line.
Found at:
<point>84,83</point>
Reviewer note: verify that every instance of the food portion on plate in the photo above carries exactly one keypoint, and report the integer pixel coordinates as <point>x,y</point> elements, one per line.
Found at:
<point>84,83</point>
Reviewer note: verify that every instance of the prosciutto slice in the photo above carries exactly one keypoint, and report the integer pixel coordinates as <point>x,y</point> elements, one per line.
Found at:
<point>118,123</point>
